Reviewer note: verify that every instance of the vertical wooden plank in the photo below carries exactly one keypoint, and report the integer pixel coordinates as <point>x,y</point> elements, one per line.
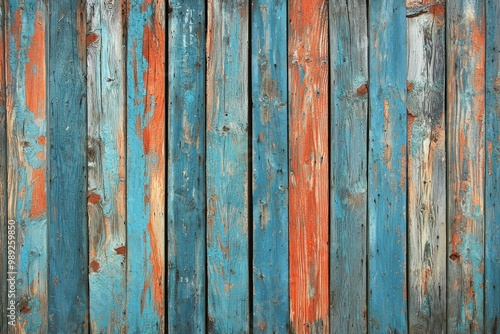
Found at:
<point>492,199</point>
<point>466,154</point>
<point>106,165</point>
<point>349,134</point>
<point>270,166</point>
<point>227,167</point>
<point>308,140</point>
<point>426,165</point>
<point>146,165</point>
<point>67,202</point>
<point>387,309</point>
<point>186,167</point>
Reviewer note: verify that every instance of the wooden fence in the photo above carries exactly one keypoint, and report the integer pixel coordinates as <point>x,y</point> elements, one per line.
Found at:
<point>219,166</point>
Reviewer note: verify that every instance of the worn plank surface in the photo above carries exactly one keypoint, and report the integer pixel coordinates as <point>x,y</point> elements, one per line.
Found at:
<point>270,166</point>
<point>308,147</point>
<point>227,167</point>
<point>426,166</point>
<point>465,148</point>
<point>387,306</point>
<point>106,165</point>
<point>67,188</point>
<point>348,171</point>
<point>492,184</point>
<point>186,167</point>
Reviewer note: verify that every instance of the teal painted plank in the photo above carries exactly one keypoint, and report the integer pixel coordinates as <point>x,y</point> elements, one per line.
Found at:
<point>466,157</point>
<point>227,167</point>
<point>492,199</point>
<point>348,172</point>
<point>146,166</point>
<point>67,172</point>
<point>387,309</point>
<point>186,167</point>
<point>270,166</point>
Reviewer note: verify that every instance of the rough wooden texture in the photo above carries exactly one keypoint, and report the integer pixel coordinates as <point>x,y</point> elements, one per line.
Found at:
<point>492,184</point>
<point>426,166</point>
<point>308,174</point>
<point>146,166</point>
<point>106,165</point>
<point>186,167</point>
<point>67,195</point>
<point>348,172</point>
<point>227,167</point>
<point>387,305</point>
<point>466,153</point>
<point>270,166</point>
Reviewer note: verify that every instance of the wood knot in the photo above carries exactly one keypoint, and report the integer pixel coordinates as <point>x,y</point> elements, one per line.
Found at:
<point>455,257</point>
<point>95,266</point>
<point>362,90</point>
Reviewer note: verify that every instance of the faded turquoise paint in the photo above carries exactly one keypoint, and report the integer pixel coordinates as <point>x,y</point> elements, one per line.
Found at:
<point>270,166</point>
<point>227,167</point>
<point>186,167</point>
<point>492,204</point>
<point>387,309</point>
<point>67,195</point>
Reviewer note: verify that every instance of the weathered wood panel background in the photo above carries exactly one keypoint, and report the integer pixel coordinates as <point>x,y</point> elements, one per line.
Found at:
<point>263,166</point>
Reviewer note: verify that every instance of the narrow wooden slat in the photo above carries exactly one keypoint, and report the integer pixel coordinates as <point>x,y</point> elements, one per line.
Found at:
<point>387,309</point>
<point>145,166</point>
<point>186,167</point>
<point>308,140</point>
<point>106,165</point>
<point>67,172</point>
<point>349,134</point>
<point>270,166</point>
<point>466,157</point>
<point>492,199</point>
<point>227,167</point>
<point>426,166</point>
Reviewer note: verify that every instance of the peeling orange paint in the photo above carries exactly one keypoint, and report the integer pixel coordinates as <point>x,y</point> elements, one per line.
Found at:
<point>35,70</point>
<point>39,201</point>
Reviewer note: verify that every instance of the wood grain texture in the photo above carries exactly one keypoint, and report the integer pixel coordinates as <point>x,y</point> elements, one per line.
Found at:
<point>387,305</point>
<point>308,174</point>
<point>146,166</point>
<point>466,162</point>
<point>186,167</point>
<point>106,165</point>
<point>227,167</point>
<point>492,184</point>
<point>270,166</point>
<point>426,166</point>
<point>67,172</point>
<point>348,172</point>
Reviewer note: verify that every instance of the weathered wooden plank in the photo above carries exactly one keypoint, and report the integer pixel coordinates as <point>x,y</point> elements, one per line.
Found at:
<point>106,165</point>
<point>426,166</point>
<point>492,199</point>
<point>186,167</point>
<point>227,167</point>
<point>146,166</point>
<point>270,166</point>
<point>466,153</point>
<point>308,140</point>
<point>348,172</point>
<point>67,172</point>
<point>387,307</point>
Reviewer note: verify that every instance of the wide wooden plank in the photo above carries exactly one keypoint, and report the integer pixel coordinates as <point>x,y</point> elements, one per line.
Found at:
<point>492,184</point>
<point>348,172</point>
<point>186,167</point>
<point>106,165</point>
<point>67,171</point>
<point>466,157</point>
<point>146,166</point>
<point>426,166</point>
<point>270,166</point>
<point>308,174</point>
<point>387,305</point>
<point>227,167</point>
